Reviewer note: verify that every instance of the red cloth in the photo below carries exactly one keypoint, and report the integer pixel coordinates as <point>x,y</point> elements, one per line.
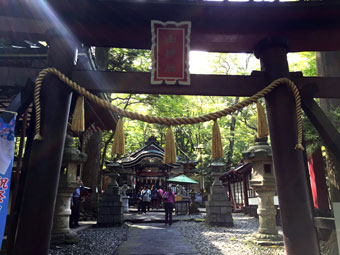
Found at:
<point>318,180</point>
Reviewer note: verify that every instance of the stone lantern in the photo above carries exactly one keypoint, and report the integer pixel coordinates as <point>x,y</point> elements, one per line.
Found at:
<point>218,206</point>
<point>72,158</point>
<point>125,198</point>
<point>110,212</point>
<point>263,183</point>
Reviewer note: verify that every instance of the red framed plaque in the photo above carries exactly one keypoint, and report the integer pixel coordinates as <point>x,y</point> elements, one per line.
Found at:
<point>170,52</point>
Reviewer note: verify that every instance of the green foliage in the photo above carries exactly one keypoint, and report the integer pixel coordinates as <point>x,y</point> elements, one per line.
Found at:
<point>240,64</point>
<point>129,60</point>
<point>190,136</point>
<point>304,62</point>
<point>187,137</point>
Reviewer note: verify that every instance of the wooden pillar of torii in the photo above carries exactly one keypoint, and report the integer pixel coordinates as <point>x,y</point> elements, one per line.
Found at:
<point>37,209</point>
<point>295,204</point>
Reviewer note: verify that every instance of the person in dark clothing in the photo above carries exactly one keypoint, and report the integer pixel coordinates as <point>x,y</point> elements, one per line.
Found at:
<point>154,197</point>
<point>75,205</point>
<point>139,200</point>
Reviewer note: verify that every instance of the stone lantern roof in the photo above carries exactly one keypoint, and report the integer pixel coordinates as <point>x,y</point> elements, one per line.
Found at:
<point>259,151</point>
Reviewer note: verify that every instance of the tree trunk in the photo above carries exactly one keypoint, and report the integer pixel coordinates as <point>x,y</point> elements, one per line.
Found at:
<point>91,170</point>
<point>328,64</point>
<point>333,166</point>
<point>102,58</point>
<point>232,138</point>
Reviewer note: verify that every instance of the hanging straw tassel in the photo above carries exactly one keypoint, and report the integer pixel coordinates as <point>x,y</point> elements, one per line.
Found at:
<point>262,125</point>
<point>170,148</point>
<point>216,145</point>
<point>118,146</point>
<point>37,137</point>
<point>78,120</point>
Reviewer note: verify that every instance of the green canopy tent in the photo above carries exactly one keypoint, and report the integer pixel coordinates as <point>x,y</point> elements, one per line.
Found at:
<point>182,179</point>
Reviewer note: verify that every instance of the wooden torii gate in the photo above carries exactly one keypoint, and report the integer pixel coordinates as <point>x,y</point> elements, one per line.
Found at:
<point>269,29</point>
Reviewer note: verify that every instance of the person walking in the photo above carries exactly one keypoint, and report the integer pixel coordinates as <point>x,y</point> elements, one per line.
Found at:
<point>139,200</point>
<point>160,195</point>
<point>168,199</point>
<point>75,204</point>
<point>146,198</point>
<point>154,197</point>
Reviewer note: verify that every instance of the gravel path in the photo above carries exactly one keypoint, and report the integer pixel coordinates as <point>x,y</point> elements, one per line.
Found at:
<point>232,241</point>
<point>206,239</point>
<point>94,241</point>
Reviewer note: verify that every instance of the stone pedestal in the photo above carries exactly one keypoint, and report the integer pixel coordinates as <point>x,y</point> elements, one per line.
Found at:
<point>193,207</point>
<point>67,185</point>
<point>61,230</point>
<point>267,233</point>
<point>126,203</point>
<point>182,206</point>
<point>110,212</point>
<point>218,207</point>
<point>263,183</point>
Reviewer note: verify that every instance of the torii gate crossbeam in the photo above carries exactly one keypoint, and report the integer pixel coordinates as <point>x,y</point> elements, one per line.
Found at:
<point>223,27</point>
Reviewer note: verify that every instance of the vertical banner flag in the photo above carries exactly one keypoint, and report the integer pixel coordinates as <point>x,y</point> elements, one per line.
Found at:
<point>170,52</point>
<point>6,162</point>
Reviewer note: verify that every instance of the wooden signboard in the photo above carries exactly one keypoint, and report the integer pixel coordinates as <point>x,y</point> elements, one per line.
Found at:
<point>170,52</point>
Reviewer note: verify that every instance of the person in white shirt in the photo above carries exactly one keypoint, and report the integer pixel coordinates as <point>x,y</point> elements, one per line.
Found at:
<point>146,198</point>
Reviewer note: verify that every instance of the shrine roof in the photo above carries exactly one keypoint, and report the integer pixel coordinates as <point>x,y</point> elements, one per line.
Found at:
<point>220,26</point>
<point>149,155</point>
<point>235,175</point>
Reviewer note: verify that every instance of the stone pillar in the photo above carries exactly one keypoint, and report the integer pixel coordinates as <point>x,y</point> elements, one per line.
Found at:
<point>263,182</point>
<point>218,206</point>
<point>110,213</point>
<point>72,157</point>
<point>126,203</point>
<point>125,198</point>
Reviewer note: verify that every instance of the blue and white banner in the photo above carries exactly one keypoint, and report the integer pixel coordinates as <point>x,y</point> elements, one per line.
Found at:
<point>6,162</point>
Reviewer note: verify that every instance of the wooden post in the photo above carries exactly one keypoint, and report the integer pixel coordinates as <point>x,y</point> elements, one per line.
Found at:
<point>336,209</point>
<point>245,190</point>
<point>37,209</point>
<point>19,160</point>
<point>295,206</point>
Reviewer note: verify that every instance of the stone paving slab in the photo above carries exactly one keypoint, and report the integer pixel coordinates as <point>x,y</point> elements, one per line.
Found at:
<point>157,217</point>
<point>155,239</point>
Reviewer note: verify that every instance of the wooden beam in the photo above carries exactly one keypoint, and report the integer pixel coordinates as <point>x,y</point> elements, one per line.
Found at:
<point>216,26</point>
<point>18,28</point>
<point>17,76</point>
<point>139,83</point>
<point>324,223</point>
<point>322,87</point>
<point>323,125</point>
<point>201,84</point>
<point>21,102</point>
